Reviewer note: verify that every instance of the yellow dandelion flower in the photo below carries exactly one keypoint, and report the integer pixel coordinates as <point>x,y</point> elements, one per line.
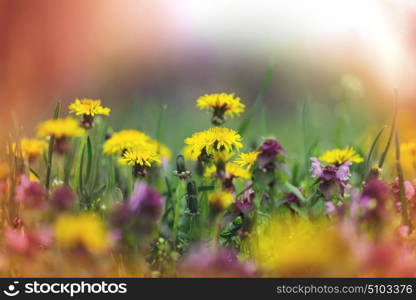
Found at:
<point>30,148</point>
<point>247,159</point>
<point>220,200</point>
<point>139,156</point>
<point>220,104</point>
<point>236,171</point>
<point>222,156</point>
<point>60,128</point>
<point>231,169</point>
<point>123,140</point>
<point>210,171</point>
<point>287,246</point>
<point>188,153</point>
<point>85,230</point>
<point>340,156</point>
<point>88,107</point>
<point>213,140</point>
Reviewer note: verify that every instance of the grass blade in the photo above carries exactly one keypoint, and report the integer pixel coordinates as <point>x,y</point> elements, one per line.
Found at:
<point>372,149</point>
<point>50,150</point>
<point>89,160</point>
<point>392,130</point>
<point>81,171</point>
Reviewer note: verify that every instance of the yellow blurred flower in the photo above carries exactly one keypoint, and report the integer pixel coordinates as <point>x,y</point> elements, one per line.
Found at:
<point>187,153</point>
<point>340,156</point>
<point>124,140</point>
<point>88,107</point>
<point>231,169</point>
<point>30,148</point>
<point>222,156</point>
<point>4,170</point>
<point>408,158</point>
<point>85,230</point>
<point>139,156</point>
<point>220,200</point>
<point>33,177</point>
<point>289,246</point>
<point>216,139</point>
<point>247,159</point>
<point>60,128</point>
<point>162,150</point>
<point>220,105</point>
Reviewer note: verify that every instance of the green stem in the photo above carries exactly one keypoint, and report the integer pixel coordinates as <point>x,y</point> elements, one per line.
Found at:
<point>50,150</point>
<point>180,191</point>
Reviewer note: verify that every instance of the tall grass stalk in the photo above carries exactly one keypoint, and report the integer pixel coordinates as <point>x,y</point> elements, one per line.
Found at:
<point>392,130</point>
<point>180,192</point>
<point>50,150</point>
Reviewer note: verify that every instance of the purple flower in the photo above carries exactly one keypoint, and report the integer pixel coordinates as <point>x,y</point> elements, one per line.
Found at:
<point>146,201</point>
<point>409,190</point>
<point>336,210</point>
<point>343,172</point>
<point>203,261</point>
<point>269,152</point>
<point>62,198</point>
<point>246,204</point>
<point>371,203</point>
<point>145,204</point>
<point>376,189</point>
<point>271,148</point>
<point>121,213</point>
<point>30,193</point>
<point>316,168</point>
<point>332,179</point>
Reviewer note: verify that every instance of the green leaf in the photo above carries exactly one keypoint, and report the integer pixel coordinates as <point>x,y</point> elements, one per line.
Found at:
<point>372,149</point>
<point>81,171</point>
<point>89,159</point>
<point>292,189</point>
<point>204,188</point>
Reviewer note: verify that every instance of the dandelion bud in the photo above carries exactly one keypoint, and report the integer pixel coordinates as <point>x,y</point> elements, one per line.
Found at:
<point>181,171</point>
<point>374,173</point>
<point>180,164</point>
<point>191,197</point>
